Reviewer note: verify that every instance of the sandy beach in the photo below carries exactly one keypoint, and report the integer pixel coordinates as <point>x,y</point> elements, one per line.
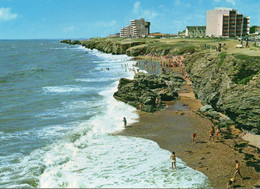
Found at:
<point>172,129</point>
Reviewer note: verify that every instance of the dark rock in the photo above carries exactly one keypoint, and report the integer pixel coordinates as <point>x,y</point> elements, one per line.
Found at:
<point>68,41</point>
<point>145,88</point>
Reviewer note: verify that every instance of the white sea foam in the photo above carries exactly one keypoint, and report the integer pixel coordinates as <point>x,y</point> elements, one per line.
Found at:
<point>44,133</point>
<point>66,89</point>
<point>93,80</point>
<point>109,57</point>
<point>115,162</point>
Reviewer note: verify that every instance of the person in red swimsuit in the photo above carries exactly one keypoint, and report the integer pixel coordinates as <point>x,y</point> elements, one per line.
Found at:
<point>193,137</point>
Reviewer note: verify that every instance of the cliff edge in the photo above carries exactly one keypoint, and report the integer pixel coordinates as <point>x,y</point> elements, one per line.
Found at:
<point>230,83</point>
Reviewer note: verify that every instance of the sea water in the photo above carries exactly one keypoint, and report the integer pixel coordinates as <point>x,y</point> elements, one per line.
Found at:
<point>57,115</point>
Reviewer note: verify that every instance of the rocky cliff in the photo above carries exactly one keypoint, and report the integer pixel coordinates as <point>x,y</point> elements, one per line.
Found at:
<point>110,46</point>
<point>136,47</point>
<point>230,83</point>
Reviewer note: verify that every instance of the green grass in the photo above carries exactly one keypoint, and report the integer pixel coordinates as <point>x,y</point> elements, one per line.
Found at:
<point>246,67</point>
<point>245,80</point>
<point>187,49</point>
<point>222,57</point>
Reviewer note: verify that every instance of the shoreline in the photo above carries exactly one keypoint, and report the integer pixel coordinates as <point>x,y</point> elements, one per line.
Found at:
<point>215,160</point>
<point>172,128</point>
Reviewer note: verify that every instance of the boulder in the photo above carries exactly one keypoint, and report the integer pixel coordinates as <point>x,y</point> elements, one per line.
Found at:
<point>206,108</point>
<point>145,88</point>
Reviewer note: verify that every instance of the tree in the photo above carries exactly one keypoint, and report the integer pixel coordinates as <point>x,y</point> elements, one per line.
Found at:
<point>252,29</point>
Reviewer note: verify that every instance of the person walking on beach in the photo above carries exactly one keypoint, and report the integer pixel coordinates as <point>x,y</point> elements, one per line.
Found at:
<point>237,170</point>
<point>247,45</point>
<point>193,137</point>
<point>125,122</point>
<point>173,158</point>
<point>211,133</point>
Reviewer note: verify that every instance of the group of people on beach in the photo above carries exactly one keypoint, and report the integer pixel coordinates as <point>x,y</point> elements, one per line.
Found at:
<point>211,135</point>
<point>212,132</point>
<point>165,61</point>
<point>176,62</point>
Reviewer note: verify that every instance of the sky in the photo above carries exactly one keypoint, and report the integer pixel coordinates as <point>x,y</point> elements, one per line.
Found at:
<point>61,19</point>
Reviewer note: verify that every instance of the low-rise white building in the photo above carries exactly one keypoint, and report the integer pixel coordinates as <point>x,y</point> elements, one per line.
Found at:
<point>195,31</point>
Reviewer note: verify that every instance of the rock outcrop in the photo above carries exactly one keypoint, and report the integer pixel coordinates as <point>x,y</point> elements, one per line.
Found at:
<point>68,41</point>
<point>230,84</point>
<point>149,89</point>
<point>110,46</point>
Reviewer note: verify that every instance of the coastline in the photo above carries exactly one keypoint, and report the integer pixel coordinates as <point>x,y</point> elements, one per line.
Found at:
<point>172,129</point>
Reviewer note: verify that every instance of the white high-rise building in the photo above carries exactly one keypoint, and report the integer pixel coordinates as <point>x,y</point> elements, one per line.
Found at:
<point>226,22</point>
<point>137,28</point>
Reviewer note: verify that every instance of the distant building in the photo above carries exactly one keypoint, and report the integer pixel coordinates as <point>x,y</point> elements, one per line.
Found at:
<point>182,33</point>
<point>137,28</point>
<point>257,30</point>
<point>126,31</point>
<point>156,35</point>
<point>115,35</point>
<point>195,31</point>
<point>226,22</point>
<point>161,35</point>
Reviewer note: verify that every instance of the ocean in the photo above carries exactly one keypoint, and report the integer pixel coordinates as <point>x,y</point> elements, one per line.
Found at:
<point>57,115</point>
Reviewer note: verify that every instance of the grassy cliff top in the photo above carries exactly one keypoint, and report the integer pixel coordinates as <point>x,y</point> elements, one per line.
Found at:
<point>198,44</point>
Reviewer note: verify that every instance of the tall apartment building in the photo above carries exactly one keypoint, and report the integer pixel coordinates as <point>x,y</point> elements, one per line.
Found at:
<point>137,28</point>
<point>226,22</point>
<point>126,31</point>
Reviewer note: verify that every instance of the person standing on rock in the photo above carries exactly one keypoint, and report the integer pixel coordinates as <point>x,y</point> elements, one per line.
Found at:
<point>211,133</point>
<point>141,106</point>
<point>156,101</point>
<point>173,158</point>
<point>218,132</point>
<point>125,122</point>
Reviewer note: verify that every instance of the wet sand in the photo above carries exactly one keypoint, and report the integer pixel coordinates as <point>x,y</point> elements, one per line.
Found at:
<point>172,130</point>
